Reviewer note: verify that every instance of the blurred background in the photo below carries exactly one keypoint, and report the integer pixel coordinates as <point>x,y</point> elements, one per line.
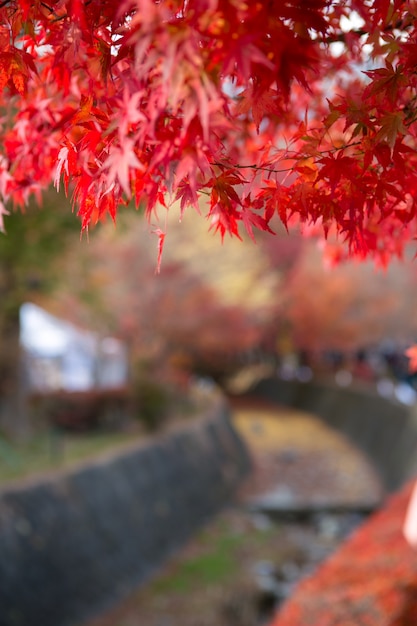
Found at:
<point>89,332</point>
<point>97,349</point>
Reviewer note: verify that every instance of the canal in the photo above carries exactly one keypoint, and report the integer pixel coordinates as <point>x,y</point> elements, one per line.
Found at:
<point>309,488</point>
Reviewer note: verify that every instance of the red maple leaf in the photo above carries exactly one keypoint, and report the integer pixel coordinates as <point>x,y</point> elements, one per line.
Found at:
<point>219,100</point>
<point>411,353</point>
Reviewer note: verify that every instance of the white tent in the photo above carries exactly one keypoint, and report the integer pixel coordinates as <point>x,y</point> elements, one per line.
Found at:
<point>61,356</point>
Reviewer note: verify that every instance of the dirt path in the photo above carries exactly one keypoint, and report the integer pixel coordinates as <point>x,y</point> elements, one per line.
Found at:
<point>221,577</point>
<point>298,452</point>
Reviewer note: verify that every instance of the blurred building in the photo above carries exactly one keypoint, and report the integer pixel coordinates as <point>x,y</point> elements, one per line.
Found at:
<point>59,356</point>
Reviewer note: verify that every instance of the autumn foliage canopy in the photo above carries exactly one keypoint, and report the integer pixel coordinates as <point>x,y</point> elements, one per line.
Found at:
<point>305,109</point>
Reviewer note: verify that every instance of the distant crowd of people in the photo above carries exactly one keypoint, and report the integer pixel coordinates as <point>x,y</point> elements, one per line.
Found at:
<point>385,366</point>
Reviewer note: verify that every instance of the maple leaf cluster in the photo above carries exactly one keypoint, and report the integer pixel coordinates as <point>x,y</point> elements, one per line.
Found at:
<point>305,109</point>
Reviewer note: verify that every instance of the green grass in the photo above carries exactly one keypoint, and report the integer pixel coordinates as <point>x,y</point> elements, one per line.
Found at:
<point>217,560</point>
<point>52,451</point>
<point>214,566</point>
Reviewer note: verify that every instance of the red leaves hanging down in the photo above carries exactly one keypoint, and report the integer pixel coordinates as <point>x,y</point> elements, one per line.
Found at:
<point>386,82</point>
<point>67,160</point>
<point>243,110</point>
<point>187,195</point>
<point>261,101</point>
<point>16,67</point>
<point>224,203</point>
<point>274,198</point>
<point>223,191</point>
<point>392,126</point>
<point>76,12</point>
<point>336,167</point>
<point>161,241</point>
<point>411,353</point>
<point>119,164</point>
<point>252,220</point>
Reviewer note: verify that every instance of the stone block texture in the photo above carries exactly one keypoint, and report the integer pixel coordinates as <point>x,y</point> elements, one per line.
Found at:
<point>71,545</point>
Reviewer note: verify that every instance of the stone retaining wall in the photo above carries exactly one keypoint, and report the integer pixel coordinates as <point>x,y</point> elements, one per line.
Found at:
<point>71,545</point>
<point>384,429</point>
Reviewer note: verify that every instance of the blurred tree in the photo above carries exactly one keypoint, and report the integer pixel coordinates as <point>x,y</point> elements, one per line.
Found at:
<point>350,306</point>
<point>177,320</point>
<point>211,309</point>
<point>30,261</point>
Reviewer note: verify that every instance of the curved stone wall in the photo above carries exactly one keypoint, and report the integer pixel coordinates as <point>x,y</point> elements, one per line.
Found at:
<point>384,429</point>
<point>71,545</point>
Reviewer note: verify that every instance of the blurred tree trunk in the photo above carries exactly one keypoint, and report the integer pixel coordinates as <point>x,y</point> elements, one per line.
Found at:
<point>13,420</point>
<point>30,254</point>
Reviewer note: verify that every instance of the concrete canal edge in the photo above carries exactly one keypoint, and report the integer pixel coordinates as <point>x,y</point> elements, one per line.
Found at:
<point>372,577</point>
<point>72,545</point>
<point>384,429</point>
